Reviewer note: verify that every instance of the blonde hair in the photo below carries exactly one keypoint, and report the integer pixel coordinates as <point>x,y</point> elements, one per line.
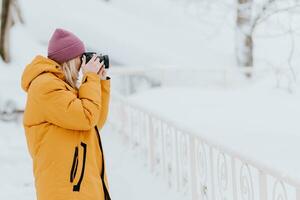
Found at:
<point>71,73</point>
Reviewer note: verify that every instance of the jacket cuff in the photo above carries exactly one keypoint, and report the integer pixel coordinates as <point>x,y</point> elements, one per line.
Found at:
<point>90,76</point>
<point>105,84</point>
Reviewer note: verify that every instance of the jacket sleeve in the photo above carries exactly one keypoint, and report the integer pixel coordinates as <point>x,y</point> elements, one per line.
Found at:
<point>68,110</point>
<point>105,98</point>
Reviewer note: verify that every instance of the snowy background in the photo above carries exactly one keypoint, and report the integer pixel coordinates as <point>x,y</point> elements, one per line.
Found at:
<point>187,51</point>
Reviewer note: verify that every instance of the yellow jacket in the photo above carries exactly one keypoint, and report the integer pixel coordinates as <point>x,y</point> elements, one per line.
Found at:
<point>61,126</point>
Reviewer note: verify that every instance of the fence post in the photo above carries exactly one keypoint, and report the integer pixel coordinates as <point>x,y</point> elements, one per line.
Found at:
<point>234,184</point>
<point>263,189</point>
<point>211,158</point>
<point>297,193</point>
<point>163,159</point>
<point>192,168</point>
<point>151,143</point>
<point>177,160</point>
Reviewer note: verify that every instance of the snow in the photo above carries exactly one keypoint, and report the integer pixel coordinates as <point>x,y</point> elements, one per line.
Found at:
<point>135,34</point>
<point>15,167</point>
<point>261,124</point>
<point>253,118</point>
<point>130,178</point>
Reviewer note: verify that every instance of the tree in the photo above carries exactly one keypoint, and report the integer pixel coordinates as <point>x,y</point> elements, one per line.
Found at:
<point>10,13</point>
<point>246,24</point>
<point>244,43</point>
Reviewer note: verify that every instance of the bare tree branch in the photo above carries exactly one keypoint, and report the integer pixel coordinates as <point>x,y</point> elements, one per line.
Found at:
<point>265,7</point>
<point>287,9</point>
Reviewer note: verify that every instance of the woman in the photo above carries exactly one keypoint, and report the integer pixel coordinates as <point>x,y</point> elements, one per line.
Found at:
<point>62,119</point>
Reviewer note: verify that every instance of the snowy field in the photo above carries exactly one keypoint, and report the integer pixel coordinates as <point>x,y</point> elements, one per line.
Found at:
<point>263,125</point>
<point>255,118</point>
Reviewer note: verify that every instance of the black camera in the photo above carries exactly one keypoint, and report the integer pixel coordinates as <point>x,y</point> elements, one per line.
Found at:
<point>89,55</point>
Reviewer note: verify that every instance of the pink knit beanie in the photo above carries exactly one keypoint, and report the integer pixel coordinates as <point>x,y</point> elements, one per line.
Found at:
<point>64,46</point>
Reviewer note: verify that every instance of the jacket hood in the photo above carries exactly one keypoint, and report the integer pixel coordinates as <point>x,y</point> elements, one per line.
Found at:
<point>39,65</point>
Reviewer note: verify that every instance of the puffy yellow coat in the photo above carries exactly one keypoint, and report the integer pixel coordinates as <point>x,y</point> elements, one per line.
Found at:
<point>61,126</point>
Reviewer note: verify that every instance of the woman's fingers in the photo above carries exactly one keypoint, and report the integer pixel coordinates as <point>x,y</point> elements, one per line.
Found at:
<point>101,67</point>
<point>94,65</point>
<point>102,64</point>
<point>104,73</point>
<point>94,57</point>
<point>92,60</point>
<point>96,62</point>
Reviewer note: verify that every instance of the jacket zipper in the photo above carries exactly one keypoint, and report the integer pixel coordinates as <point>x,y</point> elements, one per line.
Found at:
<point>74,165</point>
<point>106,193</point>
<point>76,188</point>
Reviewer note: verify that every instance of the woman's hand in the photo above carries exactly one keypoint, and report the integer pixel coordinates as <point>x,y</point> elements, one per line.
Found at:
<point>102,73</point>
<point>92,66</point>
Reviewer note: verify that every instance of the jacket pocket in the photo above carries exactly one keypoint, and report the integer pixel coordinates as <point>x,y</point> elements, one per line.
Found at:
<point>76,187</point>
<point>74,165</point>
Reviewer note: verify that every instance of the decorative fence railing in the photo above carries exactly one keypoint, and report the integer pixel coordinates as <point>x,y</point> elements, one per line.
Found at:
<point>194,165</point>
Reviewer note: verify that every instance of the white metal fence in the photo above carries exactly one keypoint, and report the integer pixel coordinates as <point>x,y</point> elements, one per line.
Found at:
<point>188,162</point>
<point>194,165</point>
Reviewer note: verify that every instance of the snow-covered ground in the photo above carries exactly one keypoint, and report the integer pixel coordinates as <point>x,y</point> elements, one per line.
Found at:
<point>15,164</point>
<point>253,118</point>
<point>128,177</point>
<point>261,124</point>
